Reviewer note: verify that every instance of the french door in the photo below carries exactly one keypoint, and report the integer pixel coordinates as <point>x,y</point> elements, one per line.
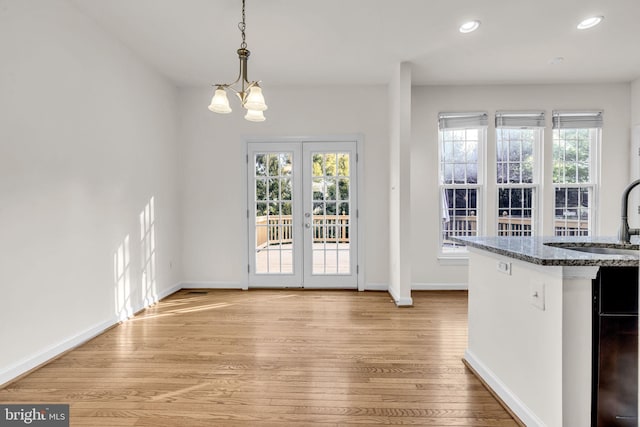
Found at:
<point>302,214</point>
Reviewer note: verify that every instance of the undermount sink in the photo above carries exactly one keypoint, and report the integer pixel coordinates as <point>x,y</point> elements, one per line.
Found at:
<point>604,251</point>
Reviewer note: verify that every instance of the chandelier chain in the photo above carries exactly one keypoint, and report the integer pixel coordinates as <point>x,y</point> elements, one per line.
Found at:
<point>242,26</point>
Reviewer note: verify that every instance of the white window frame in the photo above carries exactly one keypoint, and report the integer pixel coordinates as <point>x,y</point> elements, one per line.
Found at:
<point>460,251</point>
<point>595,139</point>
<point>533,121</point>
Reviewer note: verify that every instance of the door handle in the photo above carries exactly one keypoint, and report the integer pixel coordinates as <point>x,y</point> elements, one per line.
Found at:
<point>307,225</point>
<point>307,215</point>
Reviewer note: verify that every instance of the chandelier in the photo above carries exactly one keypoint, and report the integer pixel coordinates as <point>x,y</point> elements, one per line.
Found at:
<point>249,92</point>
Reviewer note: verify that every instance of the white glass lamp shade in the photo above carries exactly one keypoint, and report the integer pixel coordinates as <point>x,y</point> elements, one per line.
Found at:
<point>255,116</point>
<point>255,99</point>
<point>591,22</point>
<point>220,102</point>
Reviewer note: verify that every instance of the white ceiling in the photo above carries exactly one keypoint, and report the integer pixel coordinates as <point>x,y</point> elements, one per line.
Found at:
<point>193,42</point>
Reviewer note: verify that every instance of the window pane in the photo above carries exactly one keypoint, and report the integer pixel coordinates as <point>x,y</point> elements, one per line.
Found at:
<point>472,151</point>
<point>343,189</point>
<point>317,165</point>
<point>472,134</point>
<point>274,189</point>
<point>572,211</point>
<point>515,155</point>
<point>343,209</point>
<point>343,164</point>
<point>261,165</point>
<point>274,209</point>
<point>459,152</point>
<point>330,164</point>
<point>286,188</point>
<point>261,189</point>
<point>330,192</point>
<point>331,208</point>
<point>459,214</point>
<point>583,172</point>
<point>459,157</point>
<point>514,173</point>
<point>572,155</point>
<point>286,163</point>
<point>472,173</point>
<point>318,188</point>
<point>447,173</point>
<point>515,210</point>
<point>273,164</point>
<point>502,172</point>
<point>459,174</point>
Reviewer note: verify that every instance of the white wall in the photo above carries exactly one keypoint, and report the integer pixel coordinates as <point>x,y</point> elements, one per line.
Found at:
<point>428,101</point>
<point>214,202</point>
<point>635,102</point>
<point>87,136</point>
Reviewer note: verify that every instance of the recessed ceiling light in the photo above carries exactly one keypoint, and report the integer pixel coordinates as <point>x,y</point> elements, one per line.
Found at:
<point>470,26</point>
<point>590,22</point>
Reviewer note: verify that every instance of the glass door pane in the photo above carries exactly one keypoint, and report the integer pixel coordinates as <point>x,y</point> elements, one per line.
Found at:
<point>329,210</point>
<point>273,175</point>
<point>273,213</point>
<point>330,213</point>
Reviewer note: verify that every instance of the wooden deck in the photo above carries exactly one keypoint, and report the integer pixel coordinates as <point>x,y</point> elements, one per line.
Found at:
<point>273,358</point>
<point>328,258</point>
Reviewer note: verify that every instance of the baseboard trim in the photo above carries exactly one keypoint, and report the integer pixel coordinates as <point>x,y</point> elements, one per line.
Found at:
<point>169,291</point>
<point>212,285</point>
<point>439,287</point>
<point>376,287</point>
<point>509,401</point>
<point>400,302</point>
<point>26,366</point>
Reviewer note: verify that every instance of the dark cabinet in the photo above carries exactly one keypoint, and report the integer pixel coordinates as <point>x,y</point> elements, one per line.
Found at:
<point>615,348</point>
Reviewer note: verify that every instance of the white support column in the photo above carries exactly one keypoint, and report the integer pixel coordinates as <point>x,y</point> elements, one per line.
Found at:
<point>400,179</point>
<point>547,215</point>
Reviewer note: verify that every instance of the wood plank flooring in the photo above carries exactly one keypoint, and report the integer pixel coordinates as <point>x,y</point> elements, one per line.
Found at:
<point>273,358</point>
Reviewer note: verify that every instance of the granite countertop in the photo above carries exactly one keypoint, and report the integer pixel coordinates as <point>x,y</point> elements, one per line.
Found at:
<point>549,250</point>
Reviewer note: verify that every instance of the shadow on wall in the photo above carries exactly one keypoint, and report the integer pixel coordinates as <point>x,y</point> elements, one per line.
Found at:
<point>124,304</point>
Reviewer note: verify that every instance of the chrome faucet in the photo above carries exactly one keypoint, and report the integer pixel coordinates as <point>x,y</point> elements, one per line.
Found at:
<point>625,233</point>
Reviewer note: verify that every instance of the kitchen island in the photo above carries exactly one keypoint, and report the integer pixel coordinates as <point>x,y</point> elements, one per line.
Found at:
<point>530,321</point>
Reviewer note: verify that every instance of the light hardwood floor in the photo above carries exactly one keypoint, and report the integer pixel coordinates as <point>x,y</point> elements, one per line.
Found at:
<point>273,358</point>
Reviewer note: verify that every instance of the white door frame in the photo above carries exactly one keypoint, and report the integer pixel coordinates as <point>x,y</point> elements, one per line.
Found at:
<point>360,186</point>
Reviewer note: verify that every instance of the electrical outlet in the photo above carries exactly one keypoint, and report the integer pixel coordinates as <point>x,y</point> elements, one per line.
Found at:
<point>504,267</point>
<point>536,294</point>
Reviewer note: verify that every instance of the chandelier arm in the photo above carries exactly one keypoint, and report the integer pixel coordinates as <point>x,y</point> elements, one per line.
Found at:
<point>230,85</point>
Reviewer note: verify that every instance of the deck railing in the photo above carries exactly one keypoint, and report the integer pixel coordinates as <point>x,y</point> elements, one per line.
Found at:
<point>335,228</point>
<point>510,226</point>
<point>276,230</point>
